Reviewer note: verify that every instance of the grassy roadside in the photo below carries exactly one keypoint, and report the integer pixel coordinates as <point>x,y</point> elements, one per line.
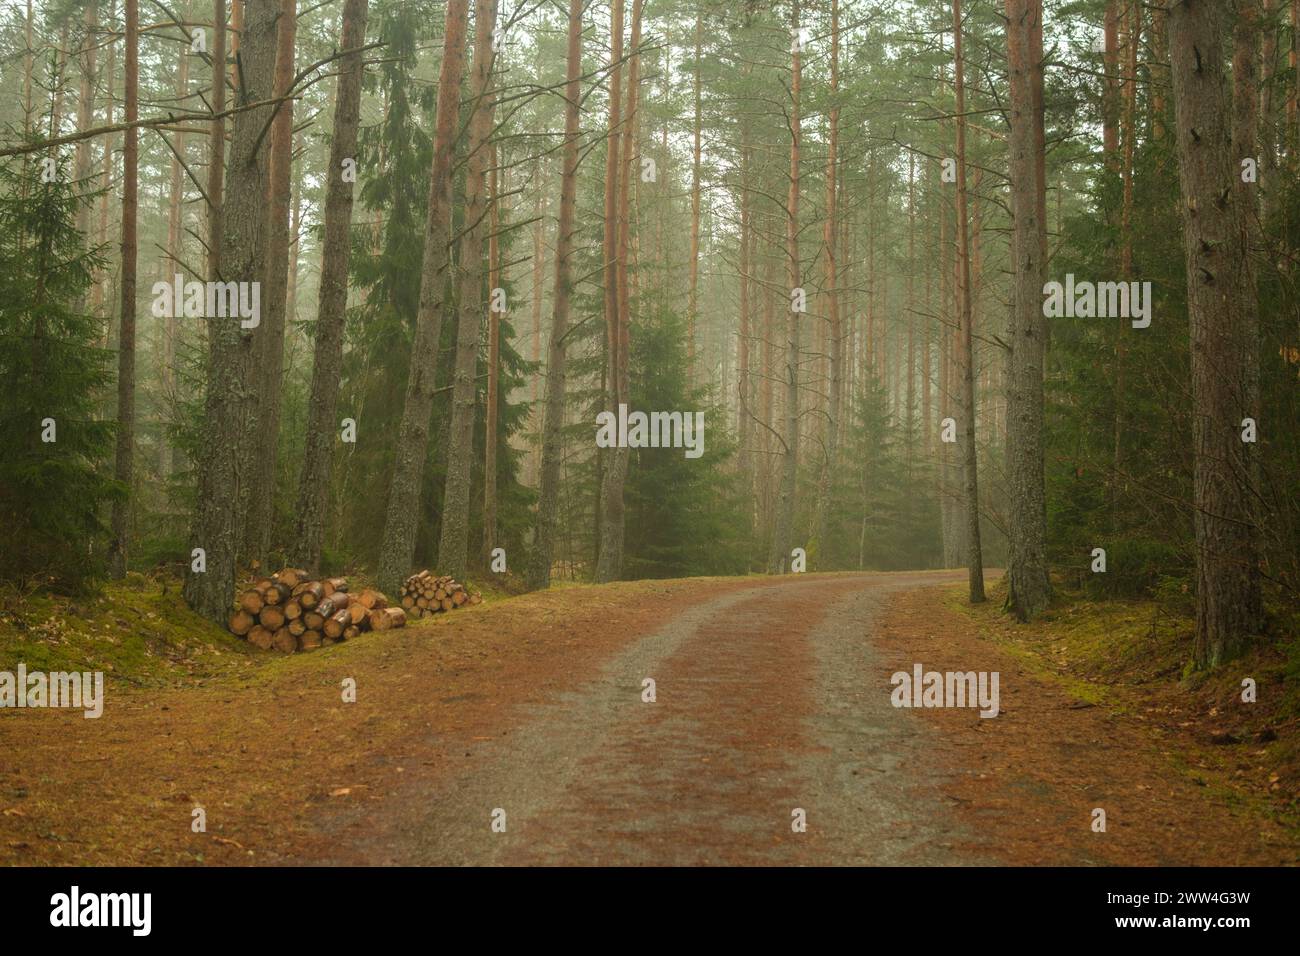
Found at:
<point>138,630</point>
<point>263,741</point>
<point>1131,658</point>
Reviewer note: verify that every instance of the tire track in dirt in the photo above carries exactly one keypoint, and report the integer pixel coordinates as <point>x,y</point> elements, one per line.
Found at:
<point>274,754</point>
<point>768,698</point>
<point>444,818</point>
<point>873,783</point>
<point>708,773</point>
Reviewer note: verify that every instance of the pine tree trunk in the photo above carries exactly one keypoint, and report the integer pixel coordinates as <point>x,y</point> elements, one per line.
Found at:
<point>693,263</point>
<point>610,564</point>
<point>832,303</point>
<point>494,371</point>
<point>1292,136</point>
<point>326,374</point>
<point>539,267</point>
<point>1220,303</point>
<point>83,158</point>
<point>628,159</point>
<point>1029,586</point>
<point>1132,37</point>
<point>974,561</point>
<point>295,228</point>
<point>217,139</point>
<point>1110,108</point>
<point>175,256</point>
<point>29,64</point>
<point>539,575</point>
<point>1246,140</point>
<point>1157,69</point>
<point>236,32</point>
<point>227,419</point>
<point>98,291</point>
<point>453,541</point>
<point>947,492</point>
<point>744,394</point>
<point>767,506</point>
<point>401,520</point>
<point>1268,59</point>
<point>927,359</point>
<point>124,470</point>
<point>909,436</point>
<point>86,113</point>
<point>609,555</point>
<point>778,560</point>
<point>268,338</point>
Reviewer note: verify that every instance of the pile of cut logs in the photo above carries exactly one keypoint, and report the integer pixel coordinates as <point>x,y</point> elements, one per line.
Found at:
<point>291,613</point>
<point>426,593</point>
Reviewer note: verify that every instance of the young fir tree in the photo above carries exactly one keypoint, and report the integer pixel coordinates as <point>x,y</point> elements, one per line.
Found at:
<point>685,516</point>
<point>54,476</point>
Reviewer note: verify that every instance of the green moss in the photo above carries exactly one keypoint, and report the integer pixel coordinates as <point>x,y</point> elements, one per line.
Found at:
<point>1131,655</point>
<point>139,630</point>
<point>1035,652</point>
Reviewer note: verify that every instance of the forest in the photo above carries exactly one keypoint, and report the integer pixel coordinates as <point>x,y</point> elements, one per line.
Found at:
<point>354,286</point>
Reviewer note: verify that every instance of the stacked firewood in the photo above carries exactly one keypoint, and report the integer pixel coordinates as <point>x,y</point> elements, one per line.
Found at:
<point>426,593</point>
<point>289,612</point>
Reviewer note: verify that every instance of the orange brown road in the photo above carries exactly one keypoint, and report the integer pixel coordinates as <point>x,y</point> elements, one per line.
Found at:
<point>772,698</point>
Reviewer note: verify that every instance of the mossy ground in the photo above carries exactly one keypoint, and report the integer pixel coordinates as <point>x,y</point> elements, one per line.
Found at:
<point>139,630</point>
<point>1133,657</point>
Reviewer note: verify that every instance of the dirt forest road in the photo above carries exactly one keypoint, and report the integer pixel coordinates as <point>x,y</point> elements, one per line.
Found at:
<point>767,701</point>
<point>518,733</point>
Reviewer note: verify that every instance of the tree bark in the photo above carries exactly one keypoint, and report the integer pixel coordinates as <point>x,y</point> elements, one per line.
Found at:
<point>124,470</point>
<point>1124,161</point>
<point>227,419</point>
<point>29,64</point>
<point>295,233</point>
<point>98,291</point>
<point>402,517</point>
<point>1220,303</point>
<point>909,436</point>
<point>766,400</point>
<point>1292,136</point>
<point>1029,590</point>
<point>86,112</point>
<point>609,557</point>
<point>268,339</point>
<point>693,263</point>
<point>1246,139</point>
<point>453,541</point>
<point>612,542</point>
<point>1268,58</point>
<point>744,390</point>
<point>974,559</point>
<point>326,374</point>
<point>1110,107</point>
<point>778,560</point>
<point>947,307</point>
<point>535,293</point>
<point>217,138</point>
<point>172,265</point>
<point>832,300</point>
<point>494,370</point>
<point>539,575</point>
